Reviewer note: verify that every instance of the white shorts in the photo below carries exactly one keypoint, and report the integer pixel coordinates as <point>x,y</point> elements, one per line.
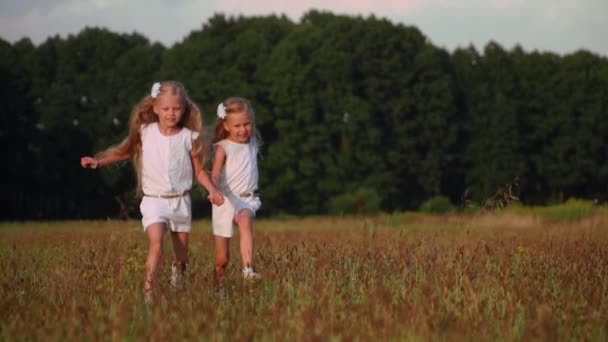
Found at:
<point>176,213</point>
<point>222,218</point>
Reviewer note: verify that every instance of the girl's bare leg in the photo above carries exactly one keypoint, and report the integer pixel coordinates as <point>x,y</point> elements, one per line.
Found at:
<point>155,234</point>
<point>244,220</point>
<point>180,257</point>
<point>222,255</point>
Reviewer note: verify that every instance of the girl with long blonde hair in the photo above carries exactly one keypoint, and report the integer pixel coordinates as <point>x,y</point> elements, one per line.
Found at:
<point>235,172</point>
<point>166,146</point>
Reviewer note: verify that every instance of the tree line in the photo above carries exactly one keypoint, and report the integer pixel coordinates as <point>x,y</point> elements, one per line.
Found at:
<point>357,113</point>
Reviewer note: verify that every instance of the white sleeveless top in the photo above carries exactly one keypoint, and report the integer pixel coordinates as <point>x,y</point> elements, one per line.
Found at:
<point>166,162</point>
<point>240,172</point>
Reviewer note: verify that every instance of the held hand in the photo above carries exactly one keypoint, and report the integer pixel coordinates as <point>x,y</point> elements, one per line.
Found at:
<point>89,163</point>
<point>216,197</point>
<point>220,198</point>
<point>210,198</point>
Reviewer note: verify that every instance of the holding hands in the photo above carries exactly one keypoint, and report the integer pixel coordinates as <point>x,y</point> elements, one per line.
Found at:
<point>215,197</point>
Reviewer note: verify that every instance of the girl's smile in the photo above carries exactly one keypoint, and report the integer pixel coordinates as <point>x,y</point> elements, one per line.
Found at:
<point>239,127</point>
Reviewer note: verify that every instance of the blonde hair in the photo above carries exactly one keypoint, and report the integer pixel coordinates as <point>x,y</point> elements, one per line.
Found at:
<point>236,105</point>
<point>143,114</point>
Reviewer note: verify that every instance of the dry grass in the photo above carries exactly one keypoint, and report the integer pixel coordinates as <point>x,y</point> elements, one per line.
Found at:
<point>408,276</point>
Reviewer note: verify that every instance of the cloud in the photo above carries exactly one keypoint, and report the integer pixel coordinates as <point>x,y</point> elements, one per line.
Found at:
<point>561,26</point>
<point>84,7</point>
<point>557,25</point>
<point>296,8</point>
<point>158,20</point>
<point>12,9</point>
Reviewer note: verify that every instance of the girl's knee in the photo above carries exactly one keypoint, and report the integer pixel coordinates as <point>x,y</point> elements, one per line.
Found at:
<point>156,249</point>
<point>243,216</point>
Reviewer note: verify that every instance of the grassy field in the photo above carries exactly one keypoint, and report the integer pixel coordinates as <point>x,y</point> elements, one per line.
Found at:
<point>518,275</point>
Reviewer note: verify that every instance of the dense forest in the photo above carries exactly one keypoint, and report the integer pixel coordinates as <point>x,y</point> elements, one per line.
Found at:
<point>349,108</point>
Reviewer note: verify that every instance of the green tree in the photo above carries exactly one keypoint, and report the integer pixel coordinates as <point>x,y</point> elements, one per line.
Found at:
<point>495,152</point>
<point>17,131</point>
<point>350,108</point>
<point>574,152</point>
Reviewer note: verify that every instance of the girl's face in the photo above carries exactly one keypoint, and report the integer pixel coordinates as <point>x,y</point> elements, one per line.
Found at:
<point>239,127</point>
<point>169,109</point>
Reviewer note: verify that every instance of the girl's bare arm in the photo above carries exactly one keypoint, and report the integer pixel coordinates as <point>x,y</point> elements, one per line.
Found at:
<point>203,178</point>
<point>218,161</point>
<point>96,163</point>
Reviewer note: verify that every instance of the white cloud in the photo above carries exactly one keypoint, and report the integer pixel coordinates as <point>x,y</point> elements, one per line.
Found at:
<point>295,8</point>
<point>158,20</point>
<point>557,25</point>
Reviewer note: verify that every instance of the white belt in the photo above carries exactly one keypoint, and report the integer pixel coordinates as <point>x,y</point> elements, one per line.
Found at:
<point>168,195</point>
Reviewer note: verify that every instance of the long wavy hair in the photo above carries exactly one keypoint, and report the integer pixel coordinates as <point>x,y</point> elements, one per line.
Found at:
<point>143,114</point>
<point>236,105</point>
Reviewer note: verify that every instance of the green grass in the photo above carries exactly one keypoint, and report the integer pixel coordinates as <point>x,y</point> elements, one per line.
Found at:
<point>406,276</point>
<point>571,210</point>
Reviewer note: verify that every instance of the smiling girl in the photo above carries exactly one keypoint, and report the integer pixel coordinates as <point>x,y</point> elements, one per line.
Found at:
<point>165,144</point>
<point>235,172</point>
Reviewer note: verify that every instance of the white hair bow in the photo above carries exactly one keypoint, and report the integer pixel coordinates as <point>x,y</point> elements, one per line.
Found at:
<point>155,90</point>
<point>221,111</point>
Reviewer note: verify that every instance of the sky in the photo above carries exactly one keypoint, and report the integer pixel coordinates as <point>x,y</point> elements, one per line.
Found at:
<point>561,26</point>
